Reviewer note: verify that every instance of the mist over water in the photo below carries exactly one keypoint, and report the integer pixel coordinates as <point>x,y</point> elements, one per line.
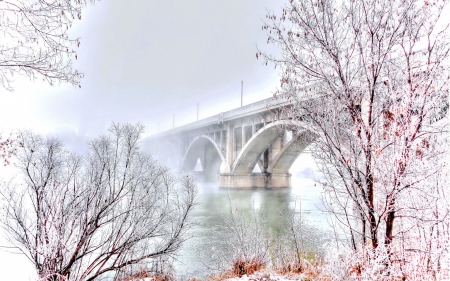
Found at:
<point>214,203</point>
<point>269,204</point>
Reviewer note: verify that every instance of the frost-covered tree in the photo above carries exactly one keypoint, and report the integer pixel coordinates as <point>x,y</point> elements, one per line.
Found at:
<point>371,78</point>
<point>35,41</point>
<point>112,213</point>
<point>7,149</point>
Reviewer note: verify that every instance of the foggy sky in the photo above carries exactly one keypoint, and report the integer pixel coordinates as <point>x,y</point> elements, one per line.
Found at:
<point>143,62</point>
<point>147,60</point>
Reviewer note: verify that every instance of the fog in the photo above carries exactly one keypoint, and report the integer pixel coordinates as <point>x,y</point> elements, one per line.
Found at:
<point>149,62</point>
<point>146,61</point>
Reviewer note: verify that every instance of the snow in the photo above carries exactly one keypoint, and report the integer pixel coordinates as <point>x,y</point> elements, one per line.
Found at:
<point>268,276</point>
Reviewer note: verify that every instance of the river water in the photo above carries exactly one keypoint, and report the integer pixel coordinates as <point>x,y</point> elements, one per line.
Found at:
<point>216,203</point>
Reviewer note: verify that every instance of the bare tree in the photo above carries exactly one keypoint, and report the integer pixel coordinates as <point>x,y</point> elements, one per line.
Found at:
<point>113,212</point>
<point>35,41</point>
<point>7,148</point>
<point>376,74</point>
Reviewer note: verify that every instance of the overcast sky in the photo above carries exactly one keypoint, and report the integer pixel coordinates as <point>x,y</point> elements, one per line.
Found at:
<point>147,60</point>
<point>143,62</point>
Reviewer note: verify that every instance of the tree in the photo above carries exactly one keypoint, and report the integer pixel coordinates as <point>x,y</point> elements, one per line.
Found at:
<point>35,41</point>
<point>7,149</point>
<point>105,215</point>
<point>371,78</point>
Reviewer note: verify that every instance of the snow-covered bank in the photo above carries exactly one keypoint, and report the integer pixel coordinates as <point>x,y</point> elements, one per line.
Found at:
<point>269,276</point>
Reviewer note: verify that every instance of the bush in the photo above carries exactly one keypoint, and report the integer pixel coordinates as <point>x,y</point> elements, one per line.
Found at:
<point>244,245</point>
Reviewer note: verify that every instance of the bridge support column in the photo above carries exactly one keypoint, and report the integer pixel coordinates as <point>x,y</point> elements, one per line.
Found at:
<point>255,180</point>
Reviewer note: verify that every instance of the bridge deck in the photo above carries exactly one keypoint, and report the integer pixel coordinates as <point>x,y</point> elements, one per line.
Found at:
<point>231,144</point>
<point>249,109</point>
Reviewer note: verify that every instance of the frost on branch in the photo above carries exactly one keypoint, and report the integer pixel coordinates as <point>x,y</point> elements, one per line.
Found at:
<point>7,148</point>
<point>35,41</point>
<point>371,78</point>
<point>111,213</point>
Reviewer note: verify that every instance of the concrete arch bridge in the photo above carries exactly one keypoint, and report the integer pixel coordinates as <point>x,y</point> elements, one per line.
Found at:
<point>248,147</point>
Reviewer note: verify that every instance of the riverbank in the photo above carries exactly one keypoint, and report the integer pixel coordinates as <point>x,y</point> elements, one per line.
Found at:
<point>270,276</point>
<point>263,275</point>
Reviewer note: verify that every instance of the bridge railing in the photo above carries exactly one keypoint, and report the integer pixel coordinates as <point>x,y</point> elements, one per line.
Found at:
<point>253,108</point>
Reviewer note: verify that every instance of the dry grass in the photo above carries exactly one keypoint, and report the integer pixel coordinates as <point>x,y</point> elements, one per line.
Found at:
<point>141,275</point>
<point>246,267</point>
<point>240,267</point>
<point>304,268</point>
<point>290,268</point>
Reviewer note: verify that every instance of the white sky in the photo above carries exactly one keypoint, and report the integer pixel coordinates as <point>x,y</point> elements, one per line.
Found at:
<point>147,60</point>
<point>143,62</point>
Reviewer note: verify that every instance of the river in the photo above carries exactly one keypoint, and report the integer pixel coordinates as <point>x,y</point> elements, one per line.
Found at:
<point>216,203</point>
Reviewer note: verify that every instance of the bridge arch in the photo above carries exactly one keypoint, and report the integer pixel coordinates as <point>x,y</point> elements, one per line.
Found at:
<point>211,158</point>
<point>290,152</point>
<point>261,140</point>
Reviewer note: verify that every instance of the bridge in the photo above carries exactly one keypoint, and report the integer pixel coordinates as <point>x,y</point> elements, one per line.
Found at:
<point>252,146</point>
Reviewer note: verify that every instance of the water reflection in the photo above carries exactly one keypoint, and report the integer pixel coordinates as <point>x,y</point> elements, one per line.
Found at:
<point>270,205</point>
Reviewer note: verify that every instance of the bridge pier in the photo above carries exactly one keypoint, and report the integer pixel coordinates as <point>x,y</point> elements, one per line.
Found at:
<point>255,180</point>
